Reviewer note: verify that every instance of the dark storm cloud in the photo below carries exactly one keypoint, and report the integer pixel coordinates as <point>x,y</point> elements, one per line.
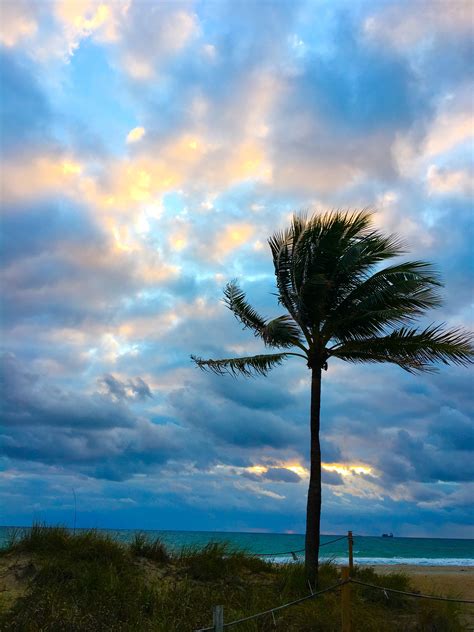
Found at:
<point>51,224</point>
<point>281,474</point>
<point>331,478</point>
<point>133,388</point>
<point>99,453</point>
<point>61,249</point>
<point>273,474</point>
<point>411,429</point>
<point>456,270</point>
<point>232,424</point>
<point>28,401</point>
<point>257,395</point>
<point>94,434</point>
<point>452,430</point>
<point>416,459</point>
<point>330,451</point>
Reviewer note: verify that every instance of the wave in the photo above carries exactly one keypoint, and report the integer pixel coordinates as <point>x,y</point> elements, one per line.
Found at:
<point>418,561</point>
<point>388,561</point>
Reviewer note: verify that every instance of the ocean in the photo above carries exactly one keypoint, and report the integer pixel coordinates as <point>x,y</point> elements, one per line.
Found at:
<point>367,549</point>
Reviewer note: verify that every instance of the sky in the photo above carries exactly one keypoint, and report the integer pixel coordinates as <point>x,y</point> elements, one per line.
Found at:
<point>149,149</point>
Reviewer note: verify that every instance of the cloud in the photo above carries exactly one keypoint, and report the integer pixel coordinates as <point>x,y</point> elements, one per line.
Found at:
<point>460,182</point>
<point>18,23</point>
<point>116,252</point>
<point>45,405</point>
<point>152,33</point>
<point>87,18</point>
<point>96,433</point>
<point>406,28</point>
<point>331,478</point>
<point>242,428</point>
<point>133,388</point>
<point>53,31</point>
<point>135,134</point>
<point>24,109</point>
<point>282,474</point>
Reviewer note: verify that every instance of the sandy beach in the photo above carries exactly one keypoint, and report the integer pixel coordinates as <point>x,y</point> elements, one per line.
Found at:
<point>456,582</point>
<point>451,581</point>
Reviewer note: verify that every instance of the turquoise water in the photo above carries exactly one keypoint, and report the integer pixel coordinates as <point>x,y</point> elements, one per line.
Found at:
<point>367,549</point>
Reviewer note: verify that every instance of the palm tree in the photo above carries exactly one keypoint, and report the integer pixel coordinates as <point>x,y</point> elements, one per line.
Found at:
<point>342,303</point>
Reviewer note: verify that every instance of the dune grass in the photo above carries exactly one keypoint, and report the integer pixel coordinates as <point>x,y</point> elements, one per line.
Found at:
<point>150,548</point>
<point>218,561</point>
<point>88,582</point>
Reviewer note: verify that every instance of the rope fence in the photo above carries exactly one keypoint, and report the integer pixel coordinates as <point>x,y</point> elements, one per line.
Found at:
<point>343,585</point>
<point>271,610</point>
<point>218,617</point>
<point>293,553</point>
<point>411,594</point>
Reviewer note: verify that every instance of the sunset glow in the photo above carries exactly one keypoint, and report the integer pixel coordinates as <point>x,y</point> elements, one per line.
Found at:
<point>347,469</point>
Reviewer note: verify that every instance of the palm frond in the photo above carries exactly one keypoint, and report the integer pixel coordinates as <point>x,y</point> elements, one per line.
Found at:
<point>279,332</point>
<point>418,271</point>
<point>393,296</point>
<point>250,366</point>
<point>359,257</point>
<point>282,245</point>
<point>287,295</point>
<point>342,225</point>
<point>282,332</point>
<point>412,349</point>
<point>344,263</point>
<point>235,300</point>
<point>319,260</point>
<point>288,236</point>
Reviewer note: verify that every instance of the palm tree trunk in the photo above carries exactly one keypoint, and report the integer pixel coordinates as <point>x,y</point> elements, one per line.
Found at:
<point>313,510</point>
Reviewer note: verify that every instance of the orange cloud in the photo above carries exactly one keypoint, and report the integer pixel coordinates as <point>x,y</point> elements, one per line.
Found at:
<point>232,237</point>
<point>38,176</point>
<point>16,23</point>
<point>460,181</point>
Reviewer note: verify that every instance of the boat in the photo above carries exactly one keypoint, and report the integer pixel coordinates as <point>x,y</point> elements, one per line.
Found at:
<point>387,535</point>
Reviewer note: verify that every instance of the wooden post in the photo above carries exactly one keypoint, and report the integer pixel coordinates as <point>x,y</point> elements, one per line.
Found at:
<point>351,554</point>
<point>218,618</point>
<point>346,601</point>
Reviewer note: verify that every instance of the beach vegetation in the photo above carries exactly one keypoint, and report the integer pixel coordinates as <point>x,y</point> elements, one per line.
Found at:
<point>151,548</point>
<point>92,583</point>
<point>218,560</point>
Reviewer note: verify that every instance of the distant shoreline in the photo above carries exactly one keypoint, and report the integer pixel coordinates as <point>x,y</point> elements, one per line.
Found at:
<point>255,532</point>
<point>374,551</point>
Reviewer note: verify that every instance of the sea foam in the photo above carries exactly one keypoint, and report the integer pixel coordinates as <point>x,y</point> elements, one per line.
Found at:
<point>387,561</point>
